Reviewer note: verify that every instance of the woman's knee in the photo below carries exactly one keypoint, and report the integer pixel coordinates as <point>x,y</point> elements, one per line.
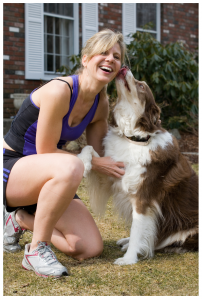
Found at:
<point>71,170</point>
<point>96,250</point>
<point>84,250</point>
<point>93,251</point>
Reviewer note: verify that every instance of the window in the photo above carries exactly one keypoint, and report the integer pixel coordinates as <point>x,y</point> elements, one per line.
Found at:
<point>137,15</point>
<point>58,35</point>
<point>51,37</point>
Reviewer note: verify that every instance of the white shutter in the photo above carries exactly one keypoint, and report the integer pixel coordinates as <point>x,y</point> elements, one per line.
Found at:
<point>128,20</point>
<point>89,20</point>
<point>34,58</point>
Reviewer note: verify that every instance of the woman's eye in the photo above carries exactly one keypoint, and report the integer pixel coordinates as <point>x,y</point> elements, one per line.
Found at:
<point>116,57</point>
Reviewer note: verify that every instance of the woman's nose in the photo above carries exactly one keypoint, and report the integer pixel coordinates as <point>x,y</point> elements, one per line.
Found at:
<point>109,57</point>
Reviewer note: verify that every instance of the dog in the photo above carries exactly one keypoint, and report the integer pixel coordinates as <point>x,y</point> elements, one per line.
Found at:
<point>159,191</point>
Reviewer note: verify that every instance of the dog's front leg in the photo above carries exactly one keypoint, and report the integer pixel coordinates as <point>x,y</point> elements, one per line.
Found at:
<point>130,257</point>
<point>140,241</point>
<point>86,156</point>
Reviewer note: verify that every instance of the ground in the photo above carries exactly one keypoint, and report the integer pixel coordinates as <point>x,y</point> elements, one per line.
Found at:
<point>166,274</point>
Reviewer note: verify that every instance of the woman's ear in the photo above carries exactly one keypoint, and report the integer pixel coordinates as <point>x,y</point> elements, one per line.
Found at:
<point>84,60</point>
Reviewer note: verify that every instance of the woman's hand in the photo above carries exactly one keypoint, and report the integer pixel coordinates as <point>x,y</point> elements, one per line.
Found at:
<point>107,166</point>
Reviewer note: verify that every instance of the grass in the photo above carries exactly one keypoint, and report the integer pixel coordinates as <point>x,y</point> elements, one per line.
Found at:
<point>164,275</point>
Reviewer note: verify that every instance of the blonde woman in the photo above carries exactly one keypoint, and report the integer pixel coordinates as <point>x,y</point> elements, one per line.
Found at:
<point>40,179</point>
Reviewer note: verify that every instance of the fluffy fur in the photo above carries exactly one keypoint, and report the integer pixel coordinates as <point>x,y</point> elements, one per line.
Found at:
<point>159,192</point>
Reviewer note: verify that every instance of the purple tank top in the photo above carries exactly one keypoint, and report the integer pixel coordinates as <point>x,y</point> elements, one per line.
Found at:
<point>72,133</point>
<point>22,134</point>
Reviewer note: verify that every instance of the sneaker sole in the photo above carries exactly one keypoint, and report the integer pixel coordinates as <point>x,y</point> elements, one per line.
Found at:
<point>27,267</point>
<point>9,251</point>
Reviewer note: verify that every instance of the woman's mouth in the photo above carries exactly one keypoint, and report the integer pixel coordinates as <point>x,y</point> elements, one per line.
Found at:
<point>106,69</point>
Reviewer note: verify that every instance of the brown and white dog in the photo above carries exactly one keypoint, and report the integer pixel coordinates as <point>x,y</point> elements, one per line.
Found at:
<point>159,190</point>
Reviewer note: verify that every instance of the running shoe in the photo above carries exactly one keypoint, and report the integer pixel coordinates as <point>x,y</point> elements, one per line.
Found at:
<point>12,233</point>
<point>43,261</point>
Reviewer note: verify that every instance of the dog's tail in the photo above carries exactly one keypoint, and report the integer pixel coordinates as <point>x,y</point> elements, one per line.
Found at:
<point>99,189</point>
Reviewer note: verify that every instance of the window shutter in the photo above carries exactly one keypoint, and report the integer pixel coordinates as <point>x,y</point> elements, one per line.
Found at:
<point>34,58</point>
<point>89,20</point>
<point>128,20</point>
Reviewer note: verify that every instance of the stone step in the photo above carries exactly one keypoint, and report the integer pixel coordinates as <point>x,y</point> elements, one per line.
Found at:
<point>190,153</point>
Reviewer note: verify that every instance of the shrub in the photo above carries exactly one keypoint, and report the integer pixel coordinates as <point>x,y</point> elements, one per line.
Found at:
<point>75,62</point>
<point>171,71</point>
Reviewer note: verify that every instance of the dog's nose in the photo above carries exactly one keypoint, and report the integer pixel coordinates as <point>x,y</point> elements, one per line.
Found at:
<point>126,67</point>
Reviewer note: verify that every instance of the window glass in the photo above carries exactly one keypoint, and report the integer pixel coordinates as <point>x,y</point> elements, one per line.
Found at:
<point>64,9</point>
<point>145,13</point>
<point>58,36</point>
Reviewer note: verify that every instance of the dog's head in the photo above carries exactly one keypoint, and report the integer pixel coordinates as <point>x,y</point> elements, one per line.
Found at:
<point>135,110</point>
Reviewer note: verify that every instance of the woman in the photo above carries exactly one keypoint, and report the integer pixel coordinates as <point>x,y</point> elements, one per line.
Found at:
<point>38,171</point>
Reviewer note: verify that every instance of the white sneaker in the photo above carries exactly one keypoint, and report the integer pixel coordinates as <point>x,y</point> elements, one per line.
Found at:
<point>12,233</point>
<point>43,261</point>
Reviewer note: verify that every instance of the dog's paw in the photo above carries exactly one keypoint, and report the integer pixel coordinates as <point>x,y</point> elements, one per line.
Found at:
<point>86,156</point>
<point>87,168</point>
<point>123,241</point>
<point>122,261</point>
<point>124,248</point>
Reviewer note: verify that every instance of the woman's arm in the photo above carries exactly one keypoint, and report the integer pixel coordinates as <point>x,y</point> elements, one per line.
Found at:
<point>54,101</point>
<point>95,132</point>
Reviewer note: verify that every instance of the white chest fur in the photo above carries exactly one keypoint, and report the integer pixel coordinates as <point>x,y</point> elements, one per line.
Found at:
<point>135,157</point>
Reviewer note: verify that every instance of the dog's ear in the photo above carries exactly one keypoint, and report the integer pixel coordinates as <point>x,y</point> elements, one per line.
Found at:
<point>149,121</point>
<point>155,112</point>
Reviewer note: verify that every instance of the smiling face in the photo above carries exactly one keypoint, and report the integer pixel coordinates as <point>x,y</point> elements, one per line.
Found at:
<point>136,109</point>
<point>105,66</point>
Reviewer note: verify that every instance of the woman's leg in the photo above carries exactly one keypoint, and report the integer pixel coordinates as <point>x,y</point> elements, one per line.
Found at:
<point>75,234</point>
<point>51,181</point>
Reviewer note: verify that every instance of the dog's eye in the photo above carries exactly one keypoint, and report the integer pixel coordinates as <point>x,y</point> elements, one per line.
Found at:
<point>141,86</point>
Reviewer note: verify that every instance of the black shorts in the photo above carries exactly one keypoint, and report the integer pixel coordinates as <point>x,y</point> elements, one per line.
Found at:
<point>9,159</point>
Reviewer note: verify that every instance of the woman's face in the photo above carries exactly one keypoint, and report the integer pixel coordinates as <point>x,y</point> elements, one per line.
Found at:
<point>104,66</point>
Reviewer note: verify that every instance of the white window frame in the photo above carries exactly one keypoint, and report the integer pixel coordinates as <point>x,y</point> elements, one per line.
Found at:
<point>129,25</point>
<point>35,56</point>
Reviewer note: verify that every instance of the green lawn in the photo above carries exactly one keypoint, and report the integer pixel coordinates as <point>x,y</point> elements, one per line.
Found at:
<point>164,275</point>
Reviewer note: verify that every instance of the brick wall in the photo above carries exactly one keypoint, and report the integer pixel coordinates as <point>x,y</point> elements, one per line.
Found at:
<point>14,57</point>
<point>179,22</point>
<point>110,16</point>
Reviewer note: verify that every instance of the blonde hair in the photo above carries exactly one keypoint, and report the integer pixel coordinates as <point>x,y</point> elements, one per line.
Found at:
<point>102,41</point>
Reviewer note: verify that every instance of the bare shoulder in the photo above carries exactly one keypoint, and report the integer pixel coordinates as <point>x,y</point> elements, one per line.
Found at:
<point>57,92</point>
<point>68,79</point>
<point>58,88</point>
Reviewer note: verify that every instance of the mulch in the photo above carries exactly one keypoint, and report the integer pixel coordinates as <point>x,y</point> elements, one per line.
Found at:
<point>189,143</point>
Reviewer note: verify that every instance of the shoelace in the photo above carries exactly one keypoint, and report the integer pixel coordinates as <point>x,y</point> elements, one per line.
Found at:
<point>46,253</point>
